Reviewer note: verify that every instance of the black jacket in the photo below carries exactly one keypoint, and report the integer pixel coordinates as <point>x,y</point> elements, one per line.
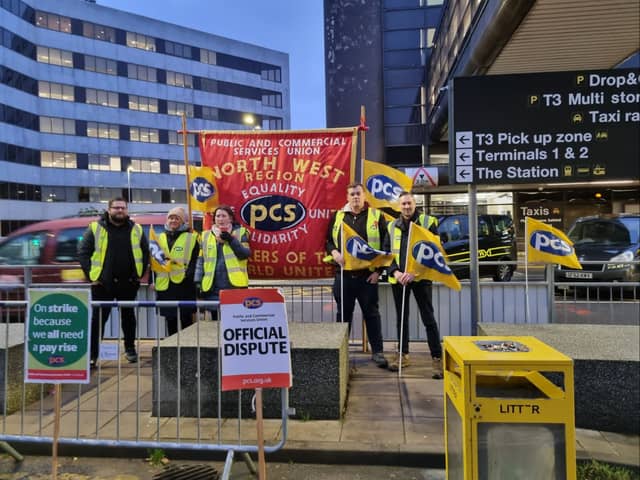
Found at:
<point>403,226</point>
<point>119,264</point>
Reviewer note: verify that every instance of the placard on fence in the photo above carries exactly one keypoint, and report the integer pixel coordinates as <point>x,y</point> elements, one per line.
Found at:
<point>254,335</point>
<point>57,337</point>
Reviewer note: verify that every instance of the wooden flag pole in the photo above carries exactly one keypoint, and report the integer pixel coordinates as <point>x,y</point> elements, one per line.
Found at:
<point>186,167</point>
<point>363,131</point>
<point>262,466</point>
<point>56,433</point>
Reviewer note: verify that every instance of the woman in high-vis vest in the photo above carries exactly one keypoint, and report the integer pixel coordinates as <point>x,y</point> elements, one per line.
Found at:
<point>178,284</point>
<point>222,263</point>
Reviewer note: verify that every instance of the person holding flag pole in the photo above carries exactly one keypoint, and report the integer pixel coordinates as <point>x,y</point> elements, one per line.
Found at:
<point>403,282</point>
<point>358,280</point>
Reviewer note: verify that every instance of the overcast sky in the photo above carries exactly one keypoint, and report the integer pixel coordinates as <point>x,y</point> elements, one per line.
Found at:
<point>291,26</point>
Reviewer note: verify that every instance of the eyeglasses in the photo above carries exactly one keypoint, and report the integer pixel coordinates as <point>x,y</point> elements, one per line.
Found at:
<point>118,208</point>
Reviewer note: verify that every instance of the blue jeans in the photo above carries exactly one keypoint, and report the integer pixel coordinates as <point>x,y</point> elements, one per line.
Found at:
<point>356,287</point>
<point>422,291</point>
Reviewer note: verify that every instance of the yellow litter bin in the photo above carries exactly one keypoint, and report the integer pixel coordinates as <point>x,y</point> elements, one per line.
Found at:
<point>509,410</point>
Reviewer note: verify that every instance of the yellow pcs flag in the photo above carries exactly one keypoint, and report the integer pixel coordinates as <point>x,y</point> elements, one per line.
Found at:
<point>160,260</point>
<point>358,254</point>
<point>203,191</point>
<point>383,184</point>
<point>426,258</point>
<point>549,245</point>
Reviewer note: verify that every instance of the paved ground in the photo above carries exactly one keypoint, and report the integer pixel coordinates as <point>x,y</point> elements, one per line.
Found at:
<point>389,420</point>
<point>73,468</point>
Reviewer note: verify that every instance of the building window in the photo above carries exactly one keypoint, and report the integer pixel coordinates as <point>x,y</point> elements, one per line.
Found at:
<point>99,32</point>
<point>209,113</point>
<point>102,97</point>
<point>147,196</point>
<point>175,138</point>
<point>137,40</point>
<point>54,56</point>
<point>103,130</point>
<point>143,104</point>
<point>145,165</point>
<point>53,22</point>
<point>179,79</point>
<point>143,134</point>
<point>101,194</point>
<point>272,100</point>
<point>56,91</point>
<point>207,56</point>
<point>177,49</point>
<point>64,126</point>
<point>273,74</point>
<point>109,163</point>
<point>176,167</point>
<point>272,123</point>
<point>58,160</point>
<point>209,85</point>
<point>140,72</point>
<point>179,108</point>
<point>100,65</point>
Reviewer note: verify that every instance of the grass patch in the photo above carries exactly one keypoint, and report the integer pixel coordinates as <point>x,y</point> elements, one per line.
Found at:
<point>594,470</point>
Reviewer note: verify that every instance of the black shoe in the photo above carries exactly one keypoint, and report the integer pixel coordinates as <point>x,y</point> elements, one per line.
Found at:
<point>379,360</point>
<point>132,356</point>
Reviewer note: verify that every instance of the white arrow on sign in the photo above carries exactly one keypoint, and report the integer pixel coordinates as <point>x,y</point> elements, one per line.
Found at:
<point>464,140</point>
<point>464,156</point>
<point>464,175</point>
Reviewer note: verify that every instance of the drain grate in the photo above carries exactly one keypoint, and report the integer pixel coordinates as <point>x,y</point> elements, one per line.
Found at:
<point>187,472</point>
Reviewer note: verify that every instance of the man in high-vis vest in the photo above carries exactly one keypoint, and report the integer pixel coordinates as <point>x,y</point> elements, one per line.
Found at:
<point>360,285</point>
<point>177,284</point>
<point>403,282</point>
<point>114,254</point>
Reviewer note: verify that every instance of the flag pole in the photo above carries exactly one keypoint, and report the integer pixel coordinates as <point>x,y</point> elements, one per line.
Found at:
<point>404,290</point>
<point>526,270</point>
<point>363,132</point>
<point>186,167</point>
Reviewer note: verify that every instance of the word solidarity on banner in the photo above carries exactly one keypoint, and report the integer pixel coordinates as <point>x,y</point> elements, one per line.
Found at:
<point>58,333</point>
<point>283,187</point>
<point>254,339</point>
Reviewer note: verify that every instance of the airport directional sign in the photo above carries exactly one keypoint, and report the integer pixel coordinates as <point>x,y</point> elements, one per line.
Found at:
<point>545,127</point>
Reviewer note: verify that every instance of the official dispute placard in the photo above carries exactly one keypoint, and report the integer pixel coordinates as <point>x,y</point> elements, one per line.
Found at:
<point>545,127</point>
<point>58,336</point>
<point>254,338</point>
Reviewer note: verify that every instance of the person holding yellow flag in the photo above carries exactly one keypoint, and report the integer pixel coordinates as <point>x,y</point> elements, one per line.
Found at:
<point>403,282</point>
<point>359,284</point>
<point>176,282</point>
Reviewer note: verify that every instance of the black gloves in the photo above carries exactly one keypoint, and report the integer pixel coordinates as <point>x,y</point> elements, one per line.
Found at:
<point>226,236</point>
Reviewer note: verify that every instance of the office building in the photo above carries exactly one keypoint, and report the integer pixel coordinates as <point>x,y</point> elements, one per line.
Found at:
<point>91,100</point>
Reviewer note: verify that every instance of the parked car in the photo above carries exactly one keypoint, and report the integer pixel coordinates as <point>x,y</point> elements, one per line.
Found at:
<point>613,240</point>
<point>496,242</point>
<point>50,248</point>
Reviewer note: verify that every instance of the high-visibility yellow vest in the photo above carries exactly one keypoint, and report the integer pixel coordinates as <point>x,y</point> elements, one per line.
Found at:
<point>395,234</point>
<point>179,257</point>
<point>373,233</point>
<point>236,268</point>
<point>100,242</point>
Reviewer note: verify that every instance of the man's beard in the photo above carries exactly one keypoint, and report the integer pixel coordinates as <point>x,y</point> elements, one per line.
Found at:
<point>117,221</point>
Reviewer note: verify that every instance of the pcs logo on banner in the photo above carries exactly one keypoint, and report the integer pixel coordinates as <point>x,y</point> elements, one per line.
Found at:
<point>428,255</point>
<point>358,248</point>
<point>273,213</point>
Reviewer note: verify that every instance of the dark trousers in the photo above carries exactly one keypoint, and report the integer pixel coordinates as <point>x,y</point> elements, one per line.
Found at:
<point>185,320</point>
<point>422,292</point>
<point>121,291</point>
<point>356,287</point>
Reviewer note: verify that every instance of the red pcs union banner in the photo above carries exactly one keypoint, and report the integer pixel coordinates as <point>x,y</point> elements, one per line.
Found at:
<point>283,186</point>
